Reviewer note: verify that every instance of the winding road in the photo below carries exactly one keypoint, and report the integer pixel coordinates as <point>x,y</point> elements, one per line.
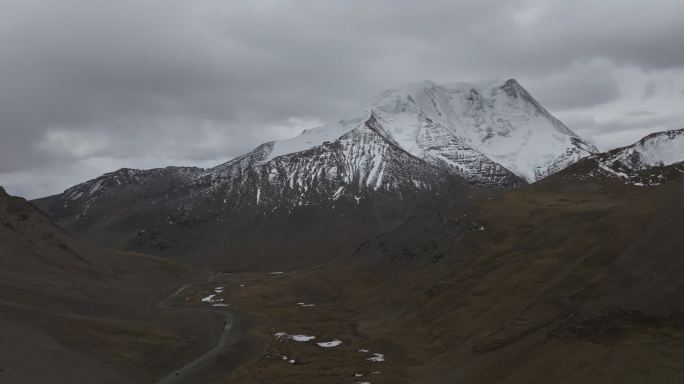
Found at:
<point>182,373</point>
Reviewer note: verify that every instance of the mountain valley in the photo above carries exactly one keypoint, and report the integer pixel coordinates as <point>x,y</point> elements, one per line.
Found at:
<point>452,233</point>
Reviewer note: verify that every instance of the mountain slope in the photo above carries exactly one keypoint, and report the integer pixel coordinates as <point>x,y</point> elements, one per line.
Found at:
<point>562,281</point>
<point>358,163</point>
<point>643,161</point>
<point>495,134</point>
<point>368,180</point>
<point>74,313</point>
<point>655,150</point>
<point>653,160</point>
<point>480,132</point>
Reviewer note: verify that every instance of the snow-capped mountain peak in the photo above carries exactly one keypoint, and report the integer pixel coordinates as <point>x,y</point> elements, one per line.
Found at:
<point>489,133</point>
<point>413,138</point>
<point>412,144</point>
<point>495,122</point>
<point>658,149</point>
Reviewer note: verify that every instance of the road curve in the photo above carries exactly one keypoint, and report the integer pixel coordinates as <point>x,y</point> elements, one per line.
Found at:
<point>182,372</point>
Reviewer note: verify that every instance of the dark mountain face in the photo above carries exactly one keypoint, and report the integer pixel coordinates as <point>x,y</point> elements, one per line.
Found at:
<point>74,313</point>
<point>356,185</point>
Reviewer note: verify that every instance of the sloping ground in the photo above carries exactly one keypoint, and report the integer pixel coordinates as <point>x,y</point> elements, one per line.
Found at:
<point>72,313</point>
<point>567,281</point>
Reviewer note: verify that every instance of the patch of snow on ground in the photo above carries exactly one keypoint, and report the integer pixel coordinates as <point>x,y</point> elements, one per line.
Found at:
<point>306,305</point>
<point>377,357</point>
<point>220,305</point>
<point>212,299</point>
<point>364,350</point>
<point>219,289</point>
<point>329,344</point>
<point>301,338</point>
<point>276,273</point>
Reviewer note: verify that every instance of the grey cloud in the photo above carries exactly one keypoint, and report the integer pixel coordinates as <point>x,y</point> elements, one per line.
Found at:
<point>649,90</point>
<point>623,130</point>
<point>152,82</point>
<point>582,85</point>
<point>640,113</point>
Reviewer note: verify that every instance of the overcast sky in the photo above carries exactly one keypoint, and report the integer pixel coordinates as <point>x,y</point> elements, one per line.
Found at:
<point>89,86</point>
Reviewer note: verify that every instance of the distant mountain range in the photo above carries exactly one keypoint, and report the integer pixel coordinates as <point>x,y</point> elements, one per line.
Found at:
<point>412,137</point>
<point>417,140</point>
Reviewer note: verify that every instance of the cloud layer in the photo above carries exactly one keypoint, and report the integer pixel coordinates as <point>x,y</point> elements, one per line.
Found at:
<point>87,86</point>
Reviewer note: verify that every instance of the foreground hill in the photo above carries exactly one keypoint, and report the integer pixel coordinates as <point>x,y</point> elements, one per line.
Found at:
<point>74,313</point>
<point>572,280</point>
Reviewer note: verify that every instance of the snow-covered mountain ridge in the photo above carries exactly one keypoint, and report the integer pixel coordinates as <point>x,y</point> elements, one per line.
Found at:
<point>358,165</point>
<point>413,147</point>
<point>655,150</point>
<point>466,127</point>
<point>410,139</point>
<point>492,135</point>
<point>637,163</point>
